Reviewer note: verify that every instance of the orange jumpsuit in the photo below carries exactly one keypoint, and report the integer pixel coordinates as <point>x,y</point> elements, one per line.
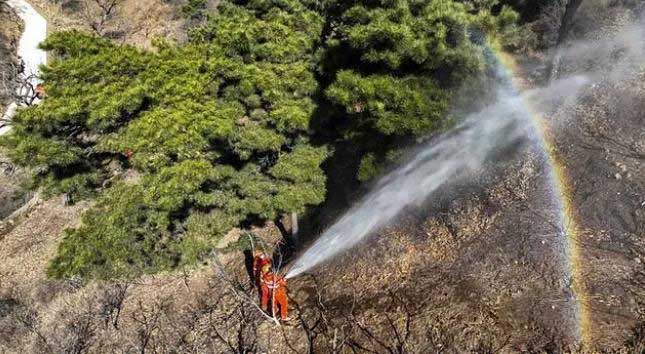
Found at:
<point>274,287</point>
<point>265,294</point>
<point>259,262</point>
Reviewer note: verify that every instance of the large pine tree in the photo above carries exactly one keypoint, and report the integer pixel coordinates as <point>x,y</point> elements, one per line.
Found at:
<point>217,131</point>
<point>180,144</point>
<point>392,67</point>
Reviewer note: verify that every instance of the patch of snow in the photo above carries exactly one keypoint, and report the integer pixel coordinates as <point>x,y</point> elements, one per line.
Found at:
<point>34,33</point>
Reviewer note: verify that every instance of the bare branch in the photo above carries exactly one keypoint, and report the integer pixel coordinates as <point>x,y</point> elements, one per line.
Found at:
<point>237,288</point>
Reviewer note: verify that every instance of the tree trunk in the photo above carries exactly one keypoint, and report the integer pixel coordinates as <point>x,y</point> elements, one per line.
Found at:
<point>565,27</point>
<point>294,227</point>
<point>567,20</point>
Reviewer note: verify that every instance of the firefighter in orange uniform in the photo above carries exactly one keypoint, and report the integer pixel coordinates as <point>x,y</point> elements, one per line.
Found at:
<point>260,259</point>
<point>265,293</point>
<point>274,288</point>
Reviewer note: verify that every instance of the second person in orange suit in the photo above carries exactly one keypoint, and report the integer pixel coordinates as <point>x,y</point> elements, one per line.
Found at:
<point>265,292</point>
<point>260,259</point>
<point>274,289</point>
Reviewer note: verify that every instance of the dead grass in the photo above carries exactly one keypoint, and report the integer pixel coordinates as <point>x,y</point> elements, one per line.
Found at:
<point>136,22</point>
<point>483,273</point>
<point>27,248</point>
<point>478,276</point>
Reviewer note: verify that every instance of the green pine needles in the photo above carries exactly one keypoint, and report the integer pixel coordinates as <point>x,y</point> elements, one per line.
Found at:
<point>181,144</point>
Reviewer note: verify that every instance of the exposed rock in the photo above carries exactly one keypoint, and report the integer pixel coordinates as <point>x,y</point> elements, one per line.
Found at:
<point>9,62</point>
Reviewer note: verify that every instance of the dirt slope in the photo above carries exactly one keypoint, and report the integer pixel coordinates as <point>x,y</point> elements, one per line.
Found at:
<point>480,269</point>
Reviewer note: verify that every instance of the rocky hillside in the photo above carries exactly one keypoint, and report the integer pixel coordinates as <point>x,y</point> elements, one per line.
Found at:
<point>11,194</point>
<point>9,62</point>
<point>482,267</point>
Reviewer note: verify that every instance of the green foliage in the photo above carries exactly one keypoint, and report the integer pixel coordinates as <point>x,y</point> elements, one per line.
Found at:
<point>195,9</point>
<point>120,236</point>
<point>74,44</point>
<point>136,228</point>
<point>216,129</point>
<point>430,34</point>
<point>392,67</point>
<point>390,105</point>
<point>368,168</point>
<point>219,131</point>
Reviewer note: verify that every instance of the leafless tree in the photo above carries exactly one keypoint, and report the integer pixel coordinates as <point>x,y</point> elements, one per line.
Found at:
<point>98,14</point>
<point>235,327</point>
<point>27,318</point>
<point>20,87</point>
<point>372,339</point>
<point>23,85</point>
<point>238,289</point>
<point>80,332</point>
<point>148,321</point>
<point>146,19</point>
<point>313,321</point>
<point>114,296</point>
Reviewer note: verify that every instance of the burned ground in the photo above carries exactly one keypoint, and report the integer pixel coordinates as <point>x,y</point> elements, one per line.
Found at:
<point>485,269</point>
<point>602,142</point>
<point>478,271</point>
<point>481,268</point>
<point>605,154</point>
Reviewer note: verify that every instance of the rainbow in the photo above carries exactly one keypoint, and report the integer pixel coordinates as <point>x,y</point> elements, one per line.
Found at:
<point>561,188</point>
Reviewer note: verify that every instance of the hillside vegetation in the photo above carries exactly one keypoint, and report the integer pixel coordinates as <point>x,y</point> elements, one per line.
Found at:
<point>177,135</point>
<point>184,142</point>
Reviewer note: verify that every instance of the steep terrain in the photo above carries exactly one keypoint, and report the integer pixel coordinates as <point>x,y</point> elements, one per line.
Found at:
<point>479,268</point>
<point>603,143</point>
<point>9,37</point>
<point>11,195</point>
